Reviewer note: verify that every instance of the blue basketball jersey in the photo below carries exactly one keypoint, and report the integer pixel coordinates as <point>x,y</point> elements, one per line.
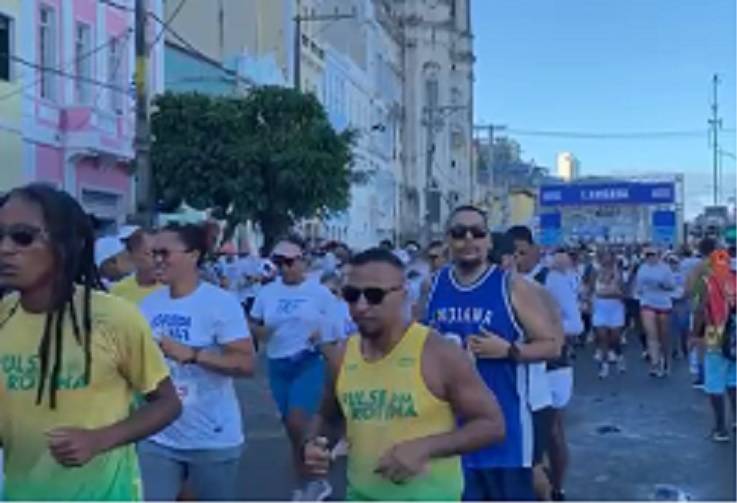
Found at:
<point>458,312</point>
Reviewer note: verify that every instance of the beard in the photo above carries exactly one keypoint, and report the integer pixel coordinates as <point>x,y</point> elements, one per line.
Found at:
<point>469,265</point>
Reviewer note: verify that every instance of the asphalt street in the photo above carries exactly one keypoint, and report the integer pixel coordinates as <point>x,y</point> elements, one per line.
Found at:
<point>629,435</point>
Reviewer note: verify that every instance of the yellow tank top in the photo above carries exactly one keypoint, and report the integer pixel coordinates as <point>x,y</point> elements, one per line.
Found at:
<point>387,402</point>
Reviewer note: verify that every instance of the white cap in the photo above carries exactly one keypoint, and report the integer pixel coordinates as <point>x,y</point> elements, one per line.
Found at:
<point>107,248</point>
<point>127,231</point>
<point>403,256</point>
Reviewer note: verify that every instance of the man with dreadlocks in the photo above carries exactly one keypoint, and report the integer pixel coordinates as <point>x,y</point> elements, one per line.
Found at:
<point>71,358</point>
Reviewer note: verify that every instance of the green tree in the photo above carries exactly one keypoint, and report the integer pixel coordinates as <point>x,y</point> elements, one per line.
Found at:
<point>271,157</point>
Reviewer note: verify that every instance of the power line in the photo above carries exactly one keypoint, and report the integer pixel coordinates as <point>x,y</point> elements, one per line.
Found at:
<point>78,59</point>
<point>171,19</point>
<point>194,50</point>
<point>117,5</point>
<point>61,73</point>
<point>610,136</point>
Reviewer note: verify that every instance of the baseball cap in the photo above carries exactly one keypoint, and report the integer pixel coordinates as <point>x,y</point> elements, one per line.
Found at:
<point>107,248</point>
<point>127,231</point>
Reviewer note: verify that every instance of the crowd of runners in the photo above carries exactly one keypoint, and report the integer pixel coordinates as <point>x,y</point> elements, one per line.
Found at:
<point>441,373</point>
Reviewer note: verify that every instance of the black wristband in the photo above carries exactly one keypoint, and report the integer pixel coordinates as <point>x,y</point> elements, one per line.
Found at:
<point>193,358</point>
<point>513,353</point>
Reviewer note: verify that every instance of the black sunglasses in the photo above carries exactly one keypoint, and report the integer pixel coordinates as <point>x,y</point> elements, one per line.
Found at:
<point>373,295</point>
<point>282,261</point>
<point>165,253</point>
<point>461,231</point>
<point>21,235</point>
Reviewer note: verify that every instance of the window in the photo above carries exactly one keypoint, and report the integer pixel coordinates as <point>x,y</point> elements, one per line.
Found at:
<point>48,48</point>
<point>83,62</point>
<point>432,92</point>
<point>5,47</point>
<point>114,74</point>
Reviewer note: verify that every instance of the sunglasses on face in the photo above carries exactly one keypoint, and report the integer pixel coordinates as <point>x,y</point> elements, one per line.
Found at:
<point>20,235</point>
<point>282,261</point>
<point>373,295</point>
<point>461,231</point>
<point>165,253</point>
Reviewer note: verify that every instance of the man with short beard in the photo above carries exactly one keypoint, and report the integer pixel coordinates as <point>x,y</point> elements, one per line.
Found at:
<point>399,388</point>
<point>505,322</point>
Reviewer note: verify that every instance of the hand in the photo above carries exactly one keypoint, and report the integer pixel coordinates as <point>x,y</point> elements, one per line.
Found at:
<point>176,351</point>
<point>404,461</point>
<point>317,457</point>
<point>315,337</point>
<point>74,446</point>
<point>488,345</point>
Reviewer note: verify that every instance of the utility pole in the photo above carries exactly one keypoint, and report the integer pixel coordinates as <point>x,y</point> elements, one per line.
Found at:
<point>298,20</point>
<point>432,115</point>
<point>429,158</point>
<point>145,196</point>
<point>715,124</point>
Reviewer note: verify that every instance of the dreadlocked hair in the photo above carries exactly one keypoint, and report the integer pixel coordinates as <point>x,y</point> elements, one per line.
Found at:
<point>72,241</point>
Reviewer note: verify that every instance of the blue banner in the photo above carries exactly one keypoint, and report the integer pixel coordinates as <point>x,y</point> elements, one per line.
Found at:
<point>663,231</point>
<point>578,194</point>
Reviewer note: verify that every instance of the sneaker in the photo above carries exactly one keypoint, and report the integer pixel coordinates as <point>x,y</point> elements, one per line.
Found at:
<point>719,436</point>
<point>621,364</point>
<point>556,495</point>
<point>611,357</point>
<point>698,383</point>
<point>316,490</point>
<point>645,355</point>
<point>603,370</point>
<point>598,355</point>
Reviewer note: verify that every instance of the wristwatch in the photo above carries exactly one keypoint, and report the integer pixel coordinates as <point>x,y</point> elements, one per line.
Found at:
<point>513,353</point>
<point>193,359</point>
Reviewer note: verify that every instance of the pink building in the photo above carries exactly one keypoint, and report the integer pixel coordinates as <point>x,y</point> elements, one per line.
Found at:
<point>78,103</point>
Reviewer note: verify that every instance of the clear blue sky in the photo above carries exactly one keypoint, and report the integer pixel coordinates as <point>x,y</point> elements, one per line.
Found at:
<point>604,66</point>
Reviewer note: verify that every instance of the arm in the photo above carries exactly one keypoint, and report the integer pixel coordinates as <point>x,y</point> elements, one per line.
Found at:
<point>329,420</point>
<point>236,359</point>
<point>538,314</point>
<point>141,364</point>
<point>327,424</point>
<point>77,446</point>
<point>459,384</point>
<point>161,408</point>
<point>470,399</point>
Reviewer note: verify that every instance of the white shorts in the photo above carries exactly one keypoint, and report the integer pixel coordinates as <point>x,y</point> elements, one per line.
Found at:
<point>608,313</point>
<point>561,386</point>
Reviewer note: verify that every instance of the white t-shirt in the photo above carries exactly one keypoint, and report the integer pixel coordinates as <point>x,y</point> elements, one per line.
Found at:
<point>250,269</point>
<point>208,318</point>
<point>292,313</point>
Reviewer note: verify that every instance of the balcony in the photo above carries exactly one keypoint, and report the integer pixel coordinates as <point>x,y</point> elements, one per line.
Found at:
<point>93,129</point>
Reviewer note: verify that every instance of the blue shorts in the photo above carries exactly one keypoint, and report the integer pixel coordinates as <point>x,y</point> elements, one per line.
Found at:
<point>498,484</point>
<point>297,382</point>
<point>720,373</point>
<point>211,474</point>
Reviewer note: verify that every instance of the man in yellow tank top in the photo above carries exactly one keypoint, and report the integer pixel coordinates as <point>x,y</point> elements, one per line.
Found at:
<point>399,390</point>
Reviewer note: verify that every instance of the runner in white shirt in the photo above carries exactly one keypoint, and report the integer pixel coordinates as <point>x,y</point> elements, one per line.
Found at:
<point>292,317</point>
<point>203,333</point>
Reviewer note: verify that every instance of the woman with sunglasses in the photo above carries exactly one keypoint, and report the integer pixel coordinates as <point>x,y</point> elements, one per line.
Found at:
<point>292,316</point>
<point>654,286</point>
<point>203,333</point>
<point>72,359</point>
